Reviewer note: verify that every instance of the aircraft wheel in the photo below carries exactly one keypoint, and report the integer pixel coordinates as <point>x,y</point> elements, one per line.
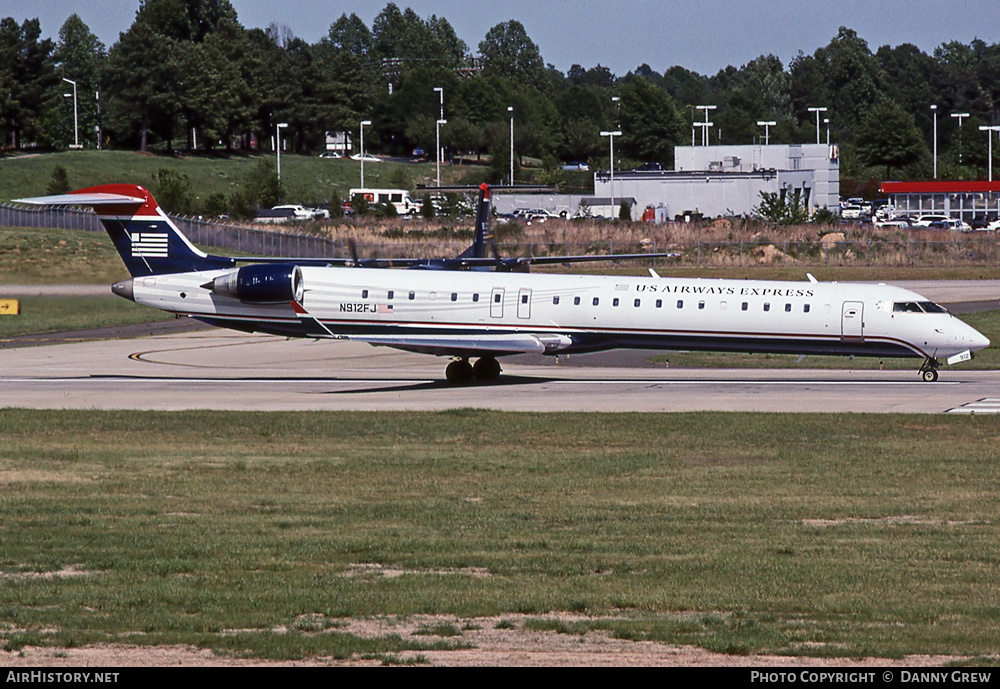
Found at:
<point>930,375</point>
<point>487,368</point>
<point>459,372</point>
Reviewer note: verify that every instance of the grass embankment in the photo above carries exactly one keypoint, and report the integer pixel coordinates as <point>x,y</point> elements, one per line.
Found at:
<point>823,535</point>
<point>304,178</point>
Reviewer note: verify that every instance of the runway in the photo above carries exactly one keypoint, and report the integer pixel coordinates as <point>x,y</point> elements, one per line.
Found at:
<point>214,369</point>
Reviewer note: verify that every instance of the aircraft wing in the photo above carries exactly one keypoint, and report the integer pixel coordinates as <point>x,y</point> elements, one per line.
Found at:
<point>469,345</point>
<point>451,344</point>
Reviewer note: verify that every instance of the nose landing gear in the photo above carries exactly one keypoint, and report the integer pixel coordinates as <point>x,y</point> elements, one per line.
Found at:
<point>928,371</point>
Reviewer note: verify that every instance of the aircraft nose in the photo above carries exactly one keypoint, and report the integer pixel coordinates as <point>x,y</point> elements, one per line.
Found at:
<point>973,338</point>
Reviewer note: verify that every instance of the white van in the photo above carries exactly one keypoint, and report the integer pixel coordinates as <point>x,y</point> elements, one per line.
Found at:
<point>399,198</point>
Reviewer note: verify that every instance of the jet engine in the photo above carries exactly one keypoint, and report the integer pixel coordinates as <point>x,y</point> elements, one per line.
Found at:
<point>275,283</point>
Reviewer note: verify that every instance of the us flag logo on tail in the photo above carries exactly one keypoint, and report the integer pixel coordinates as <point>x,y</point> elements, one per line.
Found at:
<point>149,244</point>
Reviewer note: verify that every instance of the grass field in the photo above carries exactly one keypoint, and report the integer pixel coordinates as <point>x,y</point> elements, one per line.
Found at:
<point>823,535</point>
<point>46,314</point>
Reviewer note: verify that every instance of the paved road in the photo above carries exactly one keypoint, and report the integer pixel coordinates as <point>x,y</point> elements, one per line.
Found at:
<point>219,370</point>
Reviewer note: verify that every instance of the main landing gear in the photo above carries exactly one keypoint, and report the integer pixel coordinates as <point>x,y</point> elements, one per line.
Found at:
<point>460,371</point>
<point>929,369</point>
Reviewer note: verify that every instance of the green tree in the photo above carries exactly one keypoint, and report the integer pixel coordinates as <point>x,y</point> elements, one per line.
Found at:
<point>172,191</point>
<point>27,78</point>
<point>59,184</point>
<point>508,52</point>
<point>651,121</point>
<point>79,56</point>
<point>889,136</point>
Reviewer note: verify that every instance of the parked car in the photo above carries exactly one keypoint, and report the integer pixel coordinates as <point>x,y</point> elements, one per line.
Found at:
<point>993,226</point>
<point>926,220</point>
<point>576,167</point>
<point>298,212</point>
<point>368,158</point>
<point>953,224</point>
<point>854,212</point>
<point>901,222</point>
<point>331,154</point>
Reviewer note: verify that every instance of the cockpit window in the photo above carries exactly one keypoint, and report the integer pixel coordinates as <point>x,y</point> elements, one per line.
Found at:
<point>917,307</point>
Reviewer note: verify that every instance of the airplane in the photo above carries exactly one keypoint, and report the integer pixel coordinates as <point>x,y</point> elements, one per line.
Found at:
<point>466,315</point>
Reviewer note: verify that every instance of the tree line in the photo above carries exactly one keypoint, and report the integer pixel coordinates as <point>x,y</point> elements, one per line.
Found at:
<point>186,73</point>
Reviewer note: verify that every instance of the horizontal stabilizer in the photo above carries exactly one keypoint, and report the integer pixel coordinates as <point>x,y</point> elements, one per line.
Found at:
<point>97,199</point>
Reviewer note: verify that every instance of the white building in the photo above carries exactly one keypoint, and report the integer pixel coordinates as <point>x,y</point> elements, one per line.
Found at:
<point>728,180</point>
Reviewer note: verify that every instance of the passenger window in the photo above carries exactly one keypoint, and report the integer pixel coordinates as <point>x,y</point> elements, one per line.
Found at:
<point>412,296</point>
<point>596,301</point>
<point>390,294</point>
<point>767,307</point>
<point>805,308</point>
<point>614,302</point>
<point>722,306</point>
<point>496,298</point>
<point>524,298</point>
<point>788,308</point>
<point>745,306</point>
<point>680,303</point>
<point>364,294</point>
<point>701,304</point>
<point>475,297</point>
<point>636,303</point>
<point>576,301</point>
<point>555,300</point>
<point>454,296</point>
<point>659,303</point>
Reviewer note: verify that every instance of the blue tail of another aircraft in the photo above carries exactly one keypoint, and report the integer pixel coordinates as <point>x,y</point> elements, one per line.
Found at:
<point>146,239</point>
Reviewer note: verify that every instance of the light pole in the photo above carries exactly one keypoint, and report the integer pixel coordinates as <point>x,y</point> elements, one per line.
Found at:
<point>437,126</point>
<point>826,121</point>
<point>618,119</point>
<point>277,149</point>
<point>611,136</point>
<point>960,116</point>
<point>817,111</point>
<point>364,123</point>
<point>767,130</point>
<point>989,132</point>
<point>704,131</point>
<point>76,127</point>
<point>510,109</point>
<point>707,124</point>
<point>97,127</point>
<point>934,110</point>
<point>440,121</point>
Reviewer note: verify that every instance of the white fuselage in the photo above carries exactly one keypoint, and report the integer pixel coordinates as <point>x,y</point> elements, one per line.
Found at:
<point>588,312</point>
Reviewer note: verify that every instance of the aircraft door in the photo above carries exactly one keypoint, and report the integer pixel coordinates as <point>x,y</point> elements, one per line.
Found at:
<point>496,303</point>
<point>524,303</point>
<point>852,323</point>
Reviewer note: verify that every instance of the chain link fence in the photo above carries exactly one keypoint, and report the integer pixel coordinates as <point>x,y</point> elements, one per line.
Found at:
<point>952,250</point>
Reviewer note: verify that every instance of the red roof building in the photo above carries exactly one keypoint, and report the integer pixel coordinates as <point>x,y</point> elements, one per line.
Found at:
<point>966,201</point>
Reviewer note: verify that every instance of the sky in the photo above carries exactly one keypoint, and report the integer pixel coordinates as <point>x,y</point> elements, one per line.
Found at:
<point>701,35</point>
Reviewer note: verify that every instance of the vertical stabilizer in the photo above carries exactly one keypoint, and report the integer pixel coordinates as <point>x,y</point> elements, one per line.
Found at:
<point>146,239</point>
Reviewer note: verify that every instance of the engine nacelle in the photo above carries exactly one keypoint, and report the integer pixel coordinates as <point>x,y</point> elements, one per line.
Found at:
<point>264,283</point>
